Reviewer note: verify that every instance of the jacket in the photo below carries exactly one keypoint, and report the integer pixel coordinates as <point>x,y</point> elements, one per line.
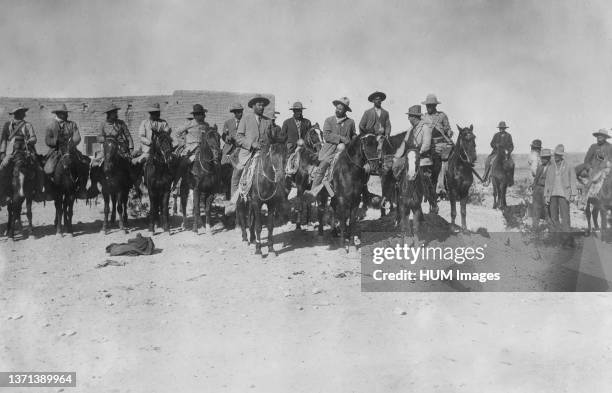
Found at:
<point>145,131</point>
<point>290,129</point>
<point>605,150</point>
<point>422,139</point>
<point>228,135</point>
<point>119,130</point>
<point>250,131</point>
<point>60,132</point>
<point>19,134</point>
<point>190,135</point>
<point>371,124</point>
<point>334,132</point>
<point>504,140</point>
<point>564,173</point>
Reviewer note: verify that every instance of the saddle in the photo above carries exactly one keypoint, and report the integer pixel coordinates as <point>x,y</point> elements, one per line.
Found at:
<point>293,162</point>
<point>596,180</point>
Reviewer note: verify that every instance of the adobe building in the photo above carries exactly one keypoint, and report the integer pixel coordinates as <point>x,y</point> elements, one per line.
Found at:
<point>86,112</point>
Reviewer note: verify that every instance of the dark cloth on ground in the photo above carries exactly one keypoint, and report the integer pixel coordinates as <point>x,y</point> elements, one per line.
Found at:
<point>140,245</point>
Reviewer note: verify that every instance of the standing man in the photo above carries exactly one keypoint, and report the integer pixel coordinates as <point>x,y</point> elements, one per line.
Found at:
<point>502,140</point>
<point>338,130</point>
<point>18,136</point>
<point>62,135</point>
<point>295,127</point>
<point>534,156</point>
<point>376,119</point>
<point>116,128</point>
<point>148,126</point>
<point>539,207</point>
<point>559,191</point>
<point>442,139</point>
<point>254,131</point>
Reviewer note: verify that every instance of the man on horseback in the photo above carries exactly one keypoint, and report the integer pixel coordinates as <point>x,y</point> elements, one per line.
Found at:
<point>420,138</point>
<point>62,135</point>
<point>116,128</point>
<point>228,135</point>
<point>148,126</point>
<point>189,137</point>
<point>376,119</point>
<point>601,150</point>
<point>338,130</point>
<point>253,131</point>
<point>295,127</point>
<point>502,140</point>
<point>18,138</point>
<point>442,135</point>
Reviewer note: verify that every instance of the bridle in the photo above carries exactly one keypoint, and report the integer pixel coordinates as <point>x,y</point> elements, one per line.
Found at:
<point>362,149</point>
<point>210,161</point>
<point>262,172</point>
<point>461,153</point>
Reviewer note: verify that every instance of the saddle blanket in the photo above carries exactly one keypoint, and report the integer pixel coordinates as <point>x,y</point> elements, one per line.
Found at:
<point>293,162</point>
<point>246,179</point>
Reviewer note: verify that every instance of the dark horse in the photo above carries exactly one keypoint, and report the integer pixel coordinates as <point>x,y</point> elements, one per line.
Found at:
<point>502,172</point>
<point>308,160</point>
<point>116,180</point>
<point>159,172</point>
<point>459,176</point>
<point>387,180</point>
<point>411,191</point>
<point>18,180</point>
<point>64,185</point>
<point>268,187</point>
<point>348,181</point>
<point>204,178</point>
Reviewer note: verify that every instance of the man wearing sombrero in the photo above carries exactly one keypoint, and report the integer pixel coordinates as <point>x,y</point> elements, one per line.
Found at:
<point>599,151</point>
<point>188,138</point>
<point>376,119</point>
<point>148,126</point>
<point>441,138</point>
<point>254,130</point>
<point>560,189</point>
<point>61,135</point>
<point>338,130</point>
<point>18,136</point>
<point>539,208</point>
<point>502,140</point>
<point>229,154</point>
<point>113,127</point>
<point>295,127</point>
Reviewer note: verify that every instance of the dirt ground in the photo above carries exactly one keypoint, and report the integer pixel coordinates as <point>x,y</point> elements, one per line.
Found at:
<point>204,314</point>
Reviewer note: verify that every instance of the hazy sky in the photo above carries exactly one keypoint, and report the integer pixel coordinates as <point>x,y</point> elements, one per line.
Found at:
<point>545,67</point>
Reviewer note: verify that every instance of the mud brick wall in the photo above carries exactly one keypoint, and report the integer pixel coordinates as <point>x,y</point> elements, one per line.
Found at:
<point>87,112</point>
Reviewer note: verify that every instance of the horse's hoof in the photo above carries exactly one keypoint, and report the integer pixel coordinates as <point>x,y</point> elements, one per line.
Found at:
<point>258,251</point>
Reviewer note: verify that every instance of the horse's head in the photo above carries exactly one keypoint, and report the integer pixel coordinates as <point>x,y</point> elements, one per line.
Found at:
<point>161,145</point>
<point>313,139</point>
<point>412,164</point>
<point>466,144</point>
<point>210,145</point>
<point>110,148</point>
<point>369,146</point>
<point>278,156</point>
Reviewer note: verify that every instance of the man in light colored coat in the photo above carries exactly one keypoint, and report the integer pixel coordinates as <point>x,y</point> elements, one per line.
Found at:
<point>560,190</point>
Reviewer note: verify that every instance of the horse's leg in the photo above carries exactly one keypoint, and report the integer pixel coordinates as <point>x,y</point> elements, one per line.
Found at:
<point>596,211</point>
<point>119,200</point>
<point>69,206</point>
<point>174,205</point>
<point>271,210</point>
<point>299,206</point>
<point>587,213</point>
<point>416,223</point>
<point>209,201</point>
<point>184,192</point>
<point>124,215</point>
<point>152,210</point>
<point>106,212</point>
<point>29,213</point>
<point>320,212</point>
<point>495,203</point>
<point>165,210</point>
<point>58,212</point>
<point>353,223</point>
<point>257,226</point>
<point>114,210</point>
<point>196,209</point>
<point>453,205</point>
<point>10,226</point>
<point>604,223</point>
<point>463,202</point>
<point>342,217</point>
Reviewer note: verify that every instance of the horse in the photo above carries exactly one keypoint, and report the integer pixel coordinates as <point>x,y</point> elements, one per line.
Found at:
<point>502,172</point>
<point>268,187</point>
<point>596,205</point>
<point>459,176</point>
<point>20,182</point>
<point>308,159</point>
<point>348,182</point>
<point>410,195</point>
<point>116,179</point>
<point>387,180</point>
<point>63,185</point>
<point>158,176</point>
<point>203,178</point>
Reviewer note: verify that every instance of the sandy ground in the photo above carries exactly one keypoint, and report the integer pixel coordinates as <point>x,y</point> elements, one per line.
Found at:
<point>206,315</point>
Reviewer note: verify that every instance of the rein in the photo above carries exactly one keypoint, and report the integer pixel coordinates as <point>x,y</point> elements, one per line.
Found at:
<point>362,151</point>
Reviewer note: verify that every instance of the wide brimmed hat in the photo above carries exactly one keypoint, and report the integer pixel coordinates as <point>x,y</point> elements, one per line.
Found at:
<point>414,110</point>
<point>235,107</point>
<point>431,99</point>
<point>603,132</point>
<point>20,107</point>
<point>344,101</point>
<point>110,108</point>
<point>154,108</point>
<point>197,108</point>
<point>536,143</point>
<point>297,106</point>
<point>560,150</point>
<point>61,108</point>
<point>502,125</point>
<point>258,98</point>
<point>380,94</point>
<point>272,115</point>
<point>545,153</point>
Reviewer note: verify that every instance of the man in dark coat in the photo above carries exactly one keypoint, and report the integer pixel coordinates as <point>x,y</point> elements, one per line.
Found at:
<point>538,205</point>
<point>376,119</point>
<point>502,140</point>
<point>296,127</point>
<point>602,149</point>
<point>228,135</point>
